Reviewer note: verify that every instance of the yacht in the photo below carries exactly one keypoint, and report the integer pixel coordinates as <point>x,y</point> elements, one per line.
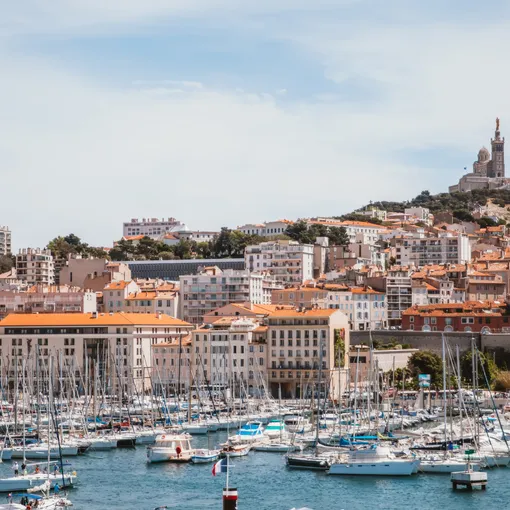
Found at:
<point>171,448</point>
<point>274,429</point>
<point>373,461</point>
<point>250,432</point>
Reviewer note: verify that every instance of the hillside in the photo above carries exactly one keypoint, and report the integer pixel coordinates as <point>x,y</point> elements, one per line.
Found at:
<point>461,205</point>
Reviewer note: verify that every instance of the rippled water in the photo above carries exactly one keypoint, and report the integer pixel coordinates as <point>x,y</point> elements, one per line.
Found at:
<point>122,480</point>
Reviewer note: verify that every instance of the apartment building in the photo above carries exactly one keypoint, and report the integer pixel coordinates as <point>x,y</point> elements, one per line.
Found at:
<point>419,249</point>
<point>232,353</point>
<point>151,227</point>
<point>162,300</point>
<point>472,316</point>
<point>287,261</point>
<point>35,266</point>
<point>214,288</point>
<point>47,299</point>
<point>116,293</point>
<point>5,241</point>
<point>84,272</point>
<point>171,366</point>
<point>295,339</point>
<point>267,229</point>
<point>399,293</point>
<point>117,345</point>
<point>364,307</point>
<point>485,286</point>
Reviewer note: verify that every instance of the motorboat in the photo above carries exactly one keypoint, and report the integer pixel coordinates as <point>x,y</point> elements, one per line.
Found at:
<point>250,432</point>
<point>445,465</point>
<point>171,448</point>
<point>235,450</point>
<point>373,461</point>
<point>205,456</point>
<point>274,429</point>
<point>50,502</point>
<point>313,462</point>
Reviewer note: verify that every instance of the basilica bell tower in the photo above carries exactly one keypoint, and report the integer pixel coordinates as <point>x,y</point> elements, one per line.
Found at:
<point>497,166</point>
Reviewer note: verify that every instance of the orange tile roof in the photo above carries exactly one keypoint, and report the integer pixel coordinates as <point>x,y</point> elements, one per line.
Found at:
<point>117,285</point>
<point>133,238</point>
<point>307,313</point>
<point>87,319</point>
<point>358,290</point>
<point>151,294</point>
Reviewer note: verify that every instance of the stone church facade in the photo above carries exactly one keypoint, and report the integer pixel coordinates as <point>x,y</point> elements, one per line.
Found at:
<point>488,172</point>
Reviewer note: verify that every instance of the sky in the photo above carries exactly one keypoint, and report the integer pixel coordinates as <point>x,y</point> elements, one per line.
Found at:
<point>225,112</point>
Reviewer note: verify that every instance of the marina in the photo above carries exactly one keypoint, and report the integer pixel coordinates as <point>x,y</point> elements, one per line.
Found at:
<point>122,479</point>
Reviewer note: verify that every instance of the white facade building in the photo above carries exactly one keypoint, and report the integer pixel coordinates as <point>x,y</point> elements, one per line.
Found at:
<point>399,293</point>
<point>287,261</point>
<point>230,352</point>
<point>420,250</point>
<point>120,344</point>
<point>214,288</point>
<point>151,227</point>
<point>35,266</point>
<point>267,229</point>
<point>5,241</point>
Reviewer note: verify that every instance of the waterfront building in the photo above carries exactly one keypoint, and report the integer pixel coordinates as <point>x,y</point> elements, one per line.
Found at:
<point>213,288</point>
<point>172,366</point>
<point>35,266</point>
<point>119,343</point>
<point>231,353</point>
<point>287,261</point>
<point>295,338</point>
<point>5,241</point>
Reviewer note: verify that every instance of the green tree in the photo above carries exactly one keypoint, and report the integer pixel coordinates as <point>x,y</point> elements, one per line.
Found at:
<point>6,263</point>
<point>486,222</point>
<point>338,236</point>
<point>427,362</point>
<point>484,363</point>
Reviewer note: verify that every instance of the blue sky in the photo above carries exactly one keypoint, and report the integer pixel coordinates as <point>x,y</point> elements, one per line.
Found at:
<point>222,112</point>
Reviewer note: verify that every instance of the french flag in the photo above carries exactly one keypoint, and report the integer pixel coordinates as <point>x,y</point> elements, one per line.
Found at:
<point>219,467</point>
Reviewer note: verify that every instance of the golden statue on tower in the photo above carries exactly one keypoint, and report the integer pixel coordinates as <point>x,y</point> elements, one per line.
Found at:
<point>497,123</point>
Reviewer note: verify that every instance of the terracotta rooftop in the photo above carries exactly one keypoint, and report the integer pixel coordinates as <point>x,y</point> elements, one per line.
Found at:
<point>88,319</point>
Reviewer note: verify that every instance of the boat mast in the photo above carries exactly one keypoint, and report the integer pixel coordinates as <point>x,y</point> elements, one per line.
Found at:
<point>444,391</point>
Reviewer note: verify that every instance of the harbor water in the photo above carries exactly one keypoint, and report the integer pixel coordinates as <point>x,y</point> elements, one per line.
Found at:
<point>122,480</point>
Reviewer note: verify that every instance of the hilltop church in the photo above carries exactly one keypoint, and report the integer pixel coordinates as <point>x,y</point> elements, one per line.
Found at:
<point>488,172</point>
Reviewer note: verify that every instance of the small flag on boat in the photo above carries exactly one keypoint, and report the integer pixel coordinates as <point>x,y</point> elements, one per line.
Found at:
<point>219,467</point>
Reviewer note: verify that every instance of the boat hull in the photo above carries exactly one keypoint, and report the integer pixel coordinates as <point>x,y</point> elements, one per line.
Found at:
<point>385,468</point>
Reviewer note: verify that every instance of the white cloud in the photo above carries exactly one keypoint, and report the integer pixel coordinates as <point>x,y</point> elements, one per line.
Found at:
<point>78,155</point>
